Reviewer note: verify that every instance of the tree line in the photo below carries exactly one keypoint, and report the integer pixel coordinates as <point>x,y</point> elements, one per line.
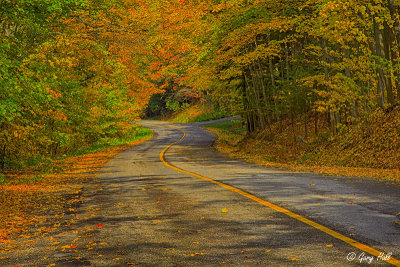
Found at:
<point>75,71</point>
<point>66,77</point>
<point>337,60</point>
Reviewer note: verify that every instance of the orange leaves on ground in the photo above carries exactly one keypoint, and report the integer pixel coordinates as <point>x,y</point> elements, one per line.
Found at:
<point>63,248</point>
<point>16,199</point>
<point>283,152</point>
<point>29,188</point>
<point>197,253</point>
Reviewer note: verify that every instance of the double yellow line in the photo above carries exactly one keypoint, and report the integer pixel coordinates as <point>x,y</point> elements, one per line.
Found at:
<point>318,226</point>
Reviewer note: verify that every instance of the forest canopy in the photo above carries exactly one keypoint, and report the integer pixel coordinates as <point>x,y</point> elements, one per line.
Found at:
<point>75,71</point>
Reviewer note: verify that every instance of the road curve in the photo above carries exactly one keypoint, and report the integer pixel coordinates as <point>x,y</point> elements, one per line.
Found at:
<point>362,209</point>
<point>140,212</point>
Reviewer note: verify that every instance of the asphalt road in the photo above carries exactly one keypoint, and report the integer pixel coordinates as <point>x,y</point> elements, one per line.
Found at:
<point>141,212</point>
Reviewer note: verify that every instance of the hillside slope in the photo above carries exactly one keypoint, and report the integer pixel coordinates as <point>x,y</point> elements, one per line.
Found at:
<point>368,149</point>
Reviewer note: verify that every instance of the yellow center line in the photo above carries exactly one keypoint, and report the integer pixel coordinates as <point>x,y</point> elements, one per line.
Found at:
<point>298,217</point>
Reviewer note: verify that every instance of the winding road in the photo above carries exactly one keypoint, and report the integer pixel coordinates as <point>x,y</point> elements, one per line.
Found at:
<point>175,201</point>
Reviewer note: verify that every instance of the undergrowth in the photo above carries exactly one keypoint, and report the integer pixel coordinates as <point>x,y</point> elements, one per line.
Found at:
<point>198,112</point>
<point>134,134</point>
<point>48,165</point>
<point>24,192</point>
<point>370,148</point>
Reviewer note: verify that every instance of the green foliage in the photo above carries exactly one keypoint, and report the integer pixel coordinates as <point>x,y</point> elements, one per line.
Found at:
<point>59,90</point>
<point>154,107</point>
<point>76,72</point>
<point>28,180</point>
<point>271,60</point>
<point>198,112</point>
<point>172,105</point>
<point>270,158</point>
<point>233,127</point>
<point>135,133</point>
<point>209,116</point>
<point>3,179</point>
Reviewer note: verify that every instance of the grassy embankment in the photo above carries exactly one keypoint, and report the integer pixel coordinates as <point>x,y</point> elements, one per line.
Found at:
<point>197,113</point>
<point>30,196</point>
<point>368,149</point>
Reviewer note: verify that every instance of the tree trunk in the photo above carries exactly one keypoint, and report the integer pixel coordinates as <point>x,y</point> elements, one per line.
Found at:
<point>316,123</point>
<point>293,128</point>
<point>3,157</point>
<point>264,90</point>
<point>249,105</point>
<point>394,10</point>
<point>305,122</point>
<point>245,100</point>
<point>332,117</point>
<point>381,77</point>
<point>387,39</point>
<point>287,61</point>
<point>354,112</point>
<point>273,84</point>
<point>254,78</point>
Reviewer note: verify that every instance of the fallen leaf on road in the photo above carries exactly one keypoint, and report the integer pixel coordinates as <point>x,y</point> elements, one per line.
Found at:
<point>224,210</point>
<point>294,259</point>
<point>329,246</point>
<point>63,248</point>
<point>197,253</point>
